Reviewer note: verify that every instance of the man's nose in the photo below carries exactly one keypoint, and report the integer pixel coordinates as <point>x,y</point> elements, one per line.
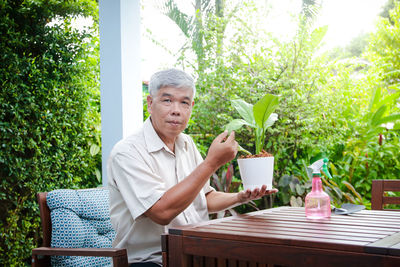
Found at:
<point>176,108</point>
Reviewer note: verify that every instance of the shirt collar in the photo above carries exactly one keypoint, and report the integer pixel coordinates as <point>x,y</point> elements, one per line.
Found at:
<point>154,142</point>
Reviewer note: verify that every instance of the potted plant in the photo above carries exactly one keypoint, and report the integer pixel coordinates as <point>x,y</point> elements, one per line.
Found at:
<point>256,169</point>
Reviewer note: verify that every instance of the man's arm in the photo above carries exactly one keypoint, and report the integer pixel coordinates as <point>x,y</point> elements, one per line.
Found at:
<point>217,201</point>
<point>179,197</point>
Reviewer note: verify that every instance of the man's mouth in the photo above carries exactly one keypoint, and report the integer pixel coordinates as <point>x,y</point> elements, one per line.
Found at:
<point>174,122</point>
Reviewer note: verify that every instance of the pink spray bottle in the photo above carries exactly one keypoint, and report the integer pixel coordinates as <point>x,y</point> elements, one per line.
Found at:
<point>318,203</point>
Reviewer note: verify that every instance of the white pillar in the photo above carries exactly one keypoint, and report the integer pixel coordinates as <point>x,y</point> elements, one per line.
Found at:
<point>120,83</point>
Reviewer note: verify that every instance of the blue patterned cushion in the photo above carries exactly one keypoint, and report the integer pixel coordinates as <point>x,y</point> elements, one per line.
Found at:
<point>80,219</point>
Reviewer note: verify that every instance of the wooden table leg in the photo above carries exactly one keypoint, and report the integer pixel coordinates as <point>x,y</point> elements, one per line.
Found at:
<point>175,256</point>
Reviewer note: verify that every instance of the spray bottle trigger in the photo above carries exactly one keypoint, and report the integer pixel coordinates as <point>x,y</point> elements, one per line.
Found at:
<point>325,168</point>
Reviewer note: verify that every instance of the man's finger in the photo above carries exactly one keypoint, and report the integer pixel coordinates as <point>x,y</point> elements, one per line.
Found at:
<point>263,190</point>
<point>221,136</point>
<point>255,192</point>
<point>271,191</point>
<point>231,137</point>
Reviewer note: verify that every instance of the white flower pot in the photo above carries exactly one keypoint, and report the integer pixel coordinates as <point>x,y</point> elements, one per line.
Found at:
<point>256,172</point>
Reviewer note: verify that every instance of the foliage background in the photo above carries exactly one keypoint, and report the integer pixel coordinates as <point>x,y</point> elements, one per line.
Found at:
<point>49,102</point>
<point>334,103</point>
<point>342,103</point>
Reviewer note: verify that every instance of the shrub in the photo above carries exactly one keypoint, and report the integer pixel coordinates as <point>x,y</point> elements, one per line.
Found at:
<point>49,104</point>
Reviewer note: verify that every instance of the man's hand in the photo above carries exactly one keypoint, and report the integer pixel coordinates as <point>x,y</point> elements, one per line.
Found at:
<point>220,151</point>
<point>217,201</point>
<point>246,196</point>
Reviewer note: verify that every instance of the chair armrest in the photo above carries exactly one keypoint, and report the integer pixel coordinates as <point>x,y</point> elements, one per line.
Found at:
<point>95,252</point>
<point>119,255</point>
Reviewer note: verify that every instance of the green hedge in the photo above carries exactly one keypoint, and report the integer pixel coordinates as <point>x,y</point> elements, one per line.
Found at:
<point>49,114</point>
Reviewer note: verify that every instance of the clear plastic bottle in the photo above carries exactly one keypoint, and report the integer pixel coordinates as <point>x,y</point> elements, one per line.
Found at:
<point>318,203</point>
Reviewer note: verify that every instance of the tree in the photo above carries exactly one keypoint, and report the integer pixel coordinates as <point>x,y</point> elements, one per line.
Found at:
<point>390,4</point>
<point>384,48</point>
<point>195,27</point>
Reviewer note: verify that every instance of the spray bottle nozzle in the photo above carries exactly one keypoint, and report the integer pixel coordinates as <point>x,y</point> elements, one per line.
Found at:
<point>321,165</point>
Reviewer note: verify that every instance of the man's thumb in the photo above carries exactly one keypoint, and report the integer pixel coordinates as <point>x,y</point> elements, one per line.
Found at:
<point>231,136</point>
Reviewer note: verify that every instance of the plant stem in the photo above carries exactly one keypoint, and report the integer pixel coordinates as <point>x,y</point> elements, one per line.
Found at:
<point>241,149</point>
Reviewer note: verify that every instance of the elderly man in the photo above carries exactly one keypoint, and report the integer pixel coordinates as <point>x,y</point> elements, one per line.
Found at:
<point>157,177</point>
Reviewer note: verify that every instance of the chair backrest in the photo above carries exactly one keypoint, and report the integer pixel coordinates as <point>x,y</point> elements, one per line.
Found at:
<point>45,218</point>
<point>76,219</point>
<point>378,197</point>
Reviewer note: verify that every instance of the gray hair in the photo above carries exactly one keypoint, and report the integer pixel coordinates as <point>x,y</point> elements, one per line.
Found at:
<point>171,78</point>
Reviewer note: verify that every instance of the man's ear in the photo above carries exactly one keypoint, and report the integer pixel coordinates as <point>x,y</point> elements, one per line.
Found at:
<point>149,103</point>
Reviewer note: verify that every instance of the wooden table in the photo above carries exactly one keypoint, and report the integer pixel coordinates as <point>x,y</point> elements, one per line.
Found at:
<point>285,237</point>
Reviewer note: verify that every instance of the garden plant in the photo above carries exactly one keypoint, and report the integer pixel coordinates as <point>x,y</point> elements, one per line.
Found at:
<point>342,104</point>
<point>325,95</point>
<point>49,119</point>
<point>259,117</point>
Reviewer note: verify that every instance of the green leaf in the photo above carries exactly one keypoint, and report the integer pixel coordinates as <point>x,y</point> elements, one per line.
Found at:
<point>182,20</point>
<point>98,175</point>
<point>235,124</point>
<point>389,118</point>
<point>245,110</point>
<point>264,108</point>
<point>94,149</point>
<point>318,34</point>
<point>375,98</point>
<point>352,189</point>
<point>337,191</point>
<point>271,120</point>
<point>285,180</point>
<point>392,98</point>
<point>376,117</point>
<point>292,186</point>
<point>300,189</point>
<point>285,198</point>
<point>296,202</point>
<point>349,197</point>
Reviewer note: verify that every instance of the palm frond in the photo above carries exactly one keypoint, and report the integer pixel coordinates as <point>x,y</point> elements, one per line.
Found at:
<point>182,20</point>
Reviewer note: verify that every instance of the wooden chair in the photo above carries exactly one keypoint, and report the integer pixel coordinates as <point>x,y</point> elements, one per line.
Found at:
<point>41,255</point>
<point>378,197</point>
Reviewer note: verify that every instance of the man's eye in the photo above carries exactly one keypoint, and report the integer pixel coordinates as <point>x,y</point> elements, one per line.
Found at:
<point>186,103</point>
<point>167,100</point>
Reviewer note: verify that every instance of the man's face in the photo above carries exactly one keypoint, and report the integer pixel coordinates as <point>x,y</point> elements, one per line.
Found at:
<point>170,111</point>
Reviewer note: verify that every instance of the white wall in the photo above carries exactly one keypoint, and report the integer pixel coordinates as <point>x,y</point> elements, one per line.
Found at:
<point>120,82</point>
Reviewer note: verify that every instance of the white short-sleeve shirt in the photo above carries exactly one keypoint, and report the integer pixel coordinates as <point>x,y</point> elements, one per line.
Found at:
<point>141,168</point>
